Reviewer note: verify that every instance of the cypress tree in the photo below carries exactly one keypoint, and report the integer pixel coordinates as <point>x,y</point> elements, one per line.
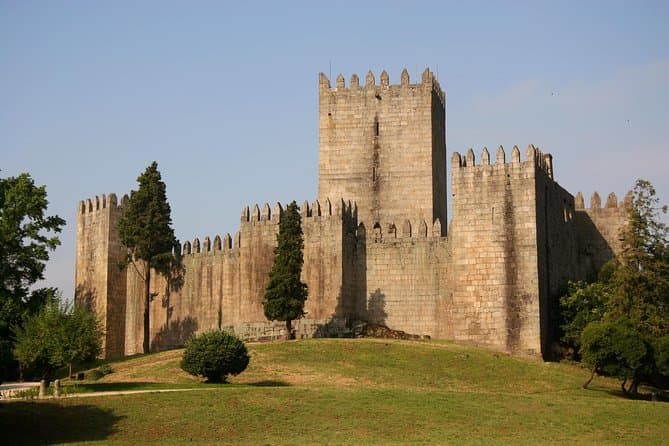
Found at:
<point>146,230</point>
<point>286,293</point>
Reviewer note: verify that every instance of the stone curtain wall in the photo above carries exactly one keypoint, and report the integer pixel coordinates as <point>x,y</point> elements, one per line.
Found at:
<point>224,282</point>
<point>382,146</point>
<point>598,229</point>
<point>515,239</point>
<point>405,280</point>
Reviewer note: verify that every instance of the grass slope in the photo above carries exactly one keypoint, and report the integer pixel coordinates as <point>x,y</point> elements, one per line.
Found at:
<point>362,391</point>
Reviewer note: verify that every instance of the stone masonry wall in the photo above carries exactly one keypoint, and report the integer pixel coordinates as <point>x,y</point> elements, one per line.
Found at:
<point>493,239</point>
<point>406,282</point>
<point>598,229</point>
<point>99,283</point>
<point>557,247</point>
<point>383,147</point>
<point>223,285</point>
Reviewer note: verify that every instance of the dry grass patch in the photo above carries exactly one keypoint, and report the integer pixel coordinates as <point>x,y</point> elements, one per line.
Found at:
<point>155,368</point>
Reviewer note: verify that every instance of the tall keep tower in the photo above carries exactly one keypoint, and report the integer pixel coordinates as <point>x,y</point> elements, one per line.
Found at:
<point>384,146</point>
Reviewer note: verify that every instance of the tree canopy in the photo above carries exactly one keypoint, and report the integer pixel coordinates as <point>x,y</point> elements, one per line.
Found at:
<point>146,230</point>
<point>641,284</point>
<point>57,335</point>
<point>286,294</point>
<point>615,348</point>
<point>27,236</point>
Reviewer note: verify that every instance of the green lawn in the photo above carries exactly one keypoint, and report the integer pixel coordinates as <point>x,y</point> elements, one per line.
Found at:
<point>332,391</point>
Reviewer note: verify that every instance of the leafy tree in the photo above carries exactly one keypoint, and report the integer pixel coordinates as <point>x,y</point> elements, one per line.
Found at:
<point>27,235</point>
<point>615,348</point>
<point>146,230</point>
<point>215,355</point>
<point>631,340</point>
<point>286,293</point>
<point>36,341</point>
<point>661,352</point>
<point>641,284</point>
<point>81,336</point>
<point>57,335</point>
<point>583,303</point>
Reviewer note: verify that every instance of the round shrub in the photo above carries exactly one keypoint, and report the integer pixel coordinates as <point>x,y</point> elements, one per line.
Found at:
<point>215,355</point>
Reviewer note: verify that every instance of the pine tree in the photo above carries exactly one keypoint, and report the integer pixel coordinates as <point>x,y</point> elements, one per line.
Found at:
<point>146,230</point>
<point>286,293</point>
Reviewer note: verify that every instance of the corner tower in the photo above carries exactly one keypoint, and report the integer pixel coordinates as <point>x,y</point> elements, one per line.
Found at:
<point>384,147</point>
<point>100,283</point>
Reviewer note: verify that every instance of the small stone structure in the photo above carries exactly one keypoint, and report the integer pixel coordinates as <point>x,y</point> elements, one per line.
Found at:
<point>376,244</point>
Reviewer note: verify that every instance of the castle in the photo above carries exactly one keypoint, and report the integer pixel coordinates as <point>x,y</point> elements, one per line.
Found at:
<point>376,243</point>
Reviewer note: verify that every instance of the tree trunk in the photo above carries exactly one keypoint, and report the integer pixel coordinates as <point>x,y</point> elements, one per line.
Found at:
<point>622,385</point>
<point>592,376</point>
<point>289,330</point>
<point>634,387</point>
<point>147,301</point>
<point>70,370</point>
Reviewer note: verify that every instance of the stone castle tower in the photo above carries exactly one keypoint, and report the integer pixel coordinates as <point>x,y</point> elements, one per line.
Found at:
<point>384,147</point>
<point>376,248</point>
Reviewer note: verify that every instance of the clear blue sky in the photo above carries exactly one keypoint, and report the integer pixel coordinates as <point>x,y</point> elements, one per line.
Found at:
<point>224,94</point>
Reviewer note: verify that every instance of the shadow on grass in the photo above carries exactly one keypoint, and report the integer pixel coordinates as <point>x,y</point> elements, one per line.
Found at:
<point>659,396</point>
<point>29,423</point>
<point>121,386</point>
<point>269,383</point>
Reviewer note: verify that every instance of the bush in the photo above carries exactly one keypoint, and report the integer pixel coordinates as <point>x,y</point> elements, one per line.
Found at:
<point>94,375</point>
<point>215,355</point>
<point>614,348</point>
<point>104,369</point>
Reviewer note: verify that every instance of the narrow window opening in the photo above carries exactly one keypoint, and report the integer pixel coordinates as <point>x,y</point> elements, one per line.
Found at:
<point>376,128</point>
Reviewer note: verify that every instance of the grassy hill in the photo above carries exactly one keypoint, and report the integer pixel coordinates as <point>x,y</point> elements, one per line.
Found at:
<point>349,391</point>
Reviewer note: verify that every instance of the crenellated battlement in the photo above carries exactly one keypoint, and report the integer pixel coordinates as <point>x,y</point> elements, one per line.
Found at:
<point>219,245</point>
<point>533,155</point>
<point>428,80</point>
<point>596,202</point>
<point>103,201</point>
<point>257,217</point>
<point>316,208</point>
<point>392,232</point>
<point>265,216</point>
